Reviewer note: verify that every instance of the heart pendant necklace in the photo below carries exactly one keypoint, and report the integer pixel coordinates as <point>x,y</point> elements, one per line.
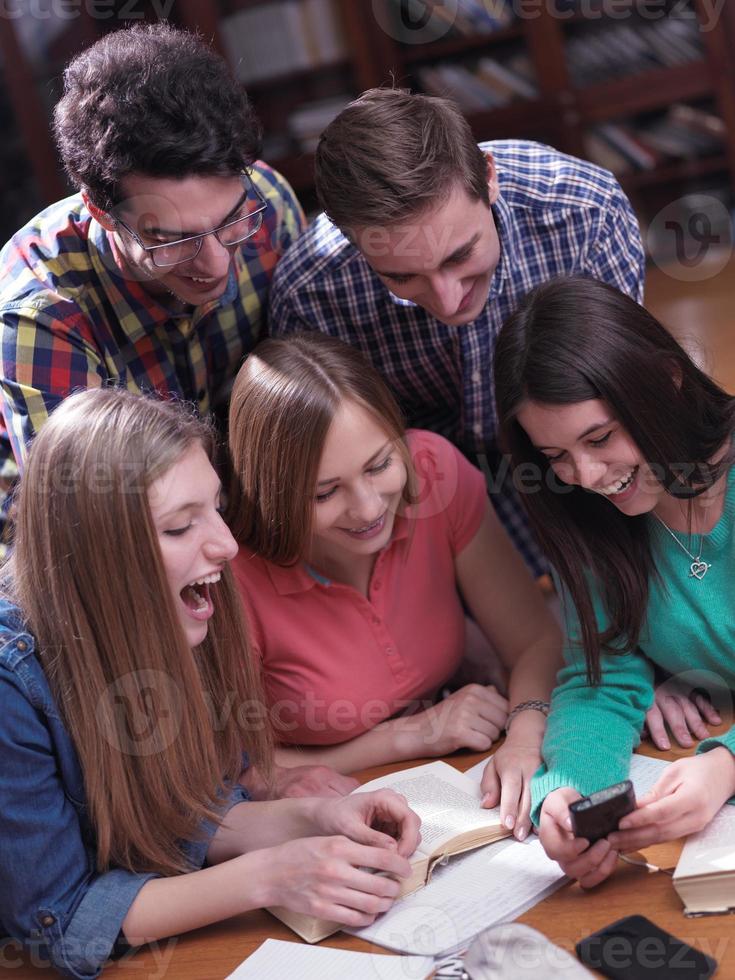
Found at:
<point>698,568</point>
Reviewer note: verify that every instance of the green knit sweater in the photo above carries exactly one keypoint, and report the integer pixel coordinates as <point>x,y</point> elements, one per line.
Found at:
<point>689,627</point>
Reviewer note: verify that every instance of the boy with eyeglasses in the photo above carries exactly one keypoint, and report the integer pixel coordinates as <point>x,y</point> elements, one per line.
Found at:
<point>155,275</point>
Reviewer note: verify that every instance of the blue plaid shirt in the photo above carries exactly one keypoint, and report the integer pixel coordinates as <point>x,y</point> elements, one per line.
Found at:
<point>555,216</point>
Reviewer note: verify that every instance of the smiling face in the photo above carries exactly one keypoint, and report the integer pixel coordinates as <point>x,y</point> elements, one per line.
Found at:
<point>359,487</point>
<point>195,542</point>
<point>587,447</point>
<point>442,260</point>
<point>161,210</point>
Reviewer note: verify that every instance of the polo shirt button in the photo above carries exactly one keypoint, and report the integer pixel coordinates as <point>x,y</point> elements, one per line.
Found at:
<point>47,920</point>
<point>376,621</point>
<point>376,585</point>
<point>389,650</point>
<point>21,645</point>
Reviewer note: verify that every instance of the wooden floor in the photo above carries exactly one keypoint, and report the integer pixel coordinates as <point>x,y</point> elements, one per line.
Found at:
<point>700,314</point>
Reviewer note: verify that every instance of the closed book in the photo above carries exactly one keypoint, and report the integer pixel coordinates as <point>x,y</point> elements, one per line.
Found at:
<point>705,874</point>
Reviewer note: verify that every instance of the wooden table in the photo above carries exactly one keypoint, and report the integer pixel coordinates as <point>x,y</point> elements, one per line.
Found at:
<point>568,915</point>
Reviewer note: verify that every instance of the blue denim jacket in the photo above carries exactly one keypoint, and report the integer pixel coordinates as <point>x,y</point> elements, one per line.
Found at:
<point>51,895</point>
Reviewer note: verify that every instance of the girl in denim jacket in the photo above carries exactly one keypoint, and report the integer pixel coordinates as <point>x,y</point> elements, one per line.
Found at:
<point>127,694</point>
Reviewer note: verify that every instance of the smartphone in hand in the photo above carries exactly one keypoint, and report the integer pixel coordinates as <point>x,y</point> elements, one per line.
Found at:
<point>597,815</point>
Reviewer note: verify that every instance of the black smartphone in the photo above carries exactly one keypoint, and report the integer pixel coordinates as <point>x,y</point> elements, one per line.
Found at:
<point>596,815</point>
<point>634,948</point>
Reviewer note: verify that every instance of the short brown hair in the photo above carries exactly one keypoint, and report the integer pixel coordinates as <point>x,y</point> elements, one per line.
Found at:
<point>284,399</point>
<point>391,154</point>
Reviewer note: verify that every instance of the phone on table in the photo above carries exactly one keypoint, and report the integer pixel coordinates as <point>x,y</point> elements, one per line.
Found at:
<point>597,815</point>
<point>634,948</point>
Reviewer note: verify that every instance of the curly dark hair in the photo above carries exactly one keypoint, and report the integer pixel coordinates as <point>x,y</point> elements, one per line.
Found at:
<point>154,100</point>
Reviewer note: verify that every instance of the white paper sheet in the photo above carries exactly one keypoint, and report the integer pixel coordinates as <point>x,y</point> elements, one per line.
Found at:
<point>276,959</point>
<point>494,884</point>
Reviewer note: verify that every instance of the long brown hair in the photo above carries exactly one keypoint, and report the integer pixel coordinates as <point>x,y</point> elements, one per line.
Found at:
<point>145,712</point>
<point>283,402</point>
<point>576,339</point>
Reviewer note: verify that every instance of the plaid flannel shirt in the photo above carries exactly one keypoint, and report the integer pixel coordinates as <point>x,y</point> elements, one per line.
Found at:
<point>69,319</point>
<point>555,216</point>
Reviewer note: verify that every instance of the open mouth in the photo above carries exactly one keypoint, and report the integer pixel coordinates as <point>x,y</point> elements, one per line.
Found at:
<point>466,299</point>
<point>201,283</point>
<point>196,596</point>
<point>620,486</point>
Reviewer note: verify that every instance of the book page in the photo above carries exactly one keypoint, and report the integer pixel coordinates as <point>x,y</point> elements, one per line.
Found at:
<point>712,849</point>
<point>277,959</point>
<point>445,799</point>
<point>470,893</point>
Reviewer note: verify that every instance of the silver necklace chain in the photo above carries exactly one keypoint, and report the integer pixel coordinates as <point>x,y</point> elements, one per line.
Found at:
<point>698,568</point>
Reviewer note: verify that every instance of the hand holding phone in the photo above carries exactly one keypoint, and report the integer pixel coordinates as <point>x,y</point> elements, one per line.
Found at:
<point>589,865</point>
<point>597,815</point>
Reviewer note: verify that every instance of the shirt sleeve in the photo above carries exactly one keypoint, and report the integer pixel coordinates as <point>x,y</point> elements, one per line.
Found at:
<point>50,891</point>
<point>290,220</point>
<point>617,256</point>
<point>592,730</point>
<point>447,484</point>
<point>42,360</point>
<point>283,318</point>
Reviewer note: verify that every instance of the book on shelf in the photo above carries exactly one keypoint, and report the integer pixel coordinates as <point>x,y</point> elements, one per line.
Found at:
<point>705,874</point>
<point>486,84</point>
<point>424,21</point>
<point>452,822</point>
<point>599,151</point>
<point>608,51</point>
<point>683,132</point>
<point>627,142</point>
<point>282,37</point>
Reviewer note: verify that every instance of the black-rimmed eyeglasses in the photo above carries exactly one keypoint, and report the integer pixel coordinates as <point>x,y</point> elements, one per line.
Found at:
<point>231,233</point>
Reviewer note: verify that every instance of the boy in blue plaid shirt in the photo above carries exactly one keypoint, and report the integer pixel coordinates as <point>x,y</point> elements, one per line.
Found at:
<point>428,242</point>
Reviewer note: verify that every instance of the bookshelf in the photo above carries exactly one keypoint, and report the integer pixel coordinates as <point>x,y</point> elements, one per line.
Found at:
<point>332,59</point>
<point>596,72</point>
<point>520,72</point>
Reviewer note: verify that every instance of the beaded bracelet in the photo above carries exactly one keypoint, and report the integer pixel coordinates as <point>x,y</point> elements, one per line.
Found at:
<point>535,704</point>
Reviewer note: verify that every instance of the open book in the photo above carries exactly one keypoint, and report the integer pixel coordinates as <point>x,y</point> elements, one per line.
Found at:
<point>705,874</point>
<point>452,821</point>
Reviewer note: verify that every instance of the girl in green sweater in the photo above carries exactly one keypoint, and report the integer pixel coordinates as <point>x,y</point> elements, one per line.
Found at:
<point>622,451</point>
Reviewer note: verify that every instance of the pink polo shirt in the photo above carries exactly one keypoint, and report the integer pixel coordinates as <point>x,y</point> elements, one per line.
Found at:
<point>336,662</point>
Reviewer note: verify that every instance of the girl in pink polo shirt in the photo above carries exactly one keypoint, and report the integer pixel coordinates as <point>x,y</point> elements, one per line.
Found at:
<point>358,543</point>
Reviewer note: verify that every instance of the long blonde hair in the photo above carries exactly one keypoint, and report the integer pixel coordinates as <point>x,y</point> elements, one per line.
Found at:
<point>157,726</point>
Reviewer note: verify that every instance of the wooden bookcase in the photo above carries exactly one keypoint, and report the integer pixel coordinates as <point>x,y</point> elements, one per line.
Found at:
<point>561,114</point>
<point>564,111</point>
